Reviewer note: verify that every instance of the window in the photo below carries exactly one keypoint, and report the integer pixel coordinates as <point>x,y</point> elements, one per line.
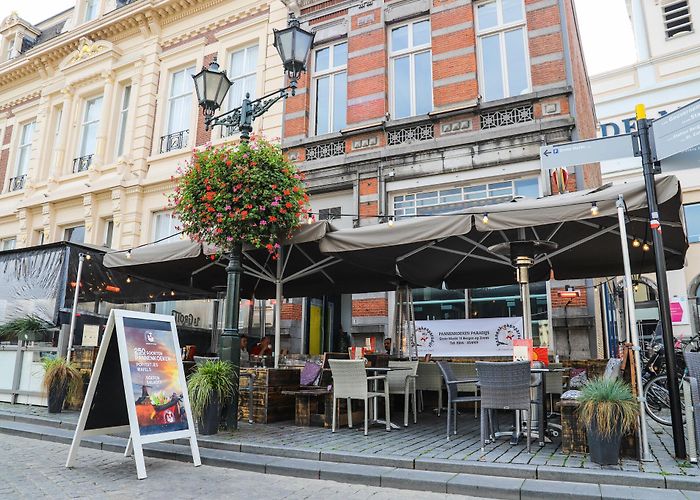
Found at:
<point>24,149</point>
<point>243,64</point>
<point>329,213</point>
<point>8,244</point>
<point>123,114</point>
<point>10,54</point>
<point>165,224</point>
<point>411,69</point>
<point>74,234</point>
<point>503,60</point>
<point>39,237</point>
<point>109,233</point>
<point>446,200</point>
<point>692,222</point>
<point>91,7</point>
<point>330,88</point>
<point>180,102</point>
<point>91,121</point>
<point>677,18</point>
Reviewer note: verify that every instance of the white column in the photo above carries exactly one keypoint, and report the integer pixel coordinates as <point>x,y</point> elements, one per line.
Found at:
<point>58,166</point>
<point>645,71</point>
<point>105,115</point>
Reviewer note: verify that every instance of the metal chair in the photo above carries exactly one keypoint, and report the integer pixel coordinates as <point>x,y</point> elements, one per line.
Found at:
<point>429,378</point>
<point>404,382</point>
<point>504,386</point>
<point>466,371</point>
<point>453,397</point>
<point>350,382</point>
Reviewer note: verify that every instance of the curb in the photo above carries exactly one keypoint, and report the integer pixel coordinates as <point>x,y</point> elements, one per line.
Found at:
<point>507,481</point>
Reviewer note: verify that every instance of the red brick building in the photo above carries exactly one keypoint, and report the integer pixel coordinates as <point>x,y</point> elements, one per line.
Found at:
<point>415,107</point>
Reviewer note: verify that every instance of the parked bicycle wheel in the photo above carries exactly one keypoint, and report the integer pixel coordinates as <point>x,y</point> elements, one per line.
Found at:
<point>657,399</point>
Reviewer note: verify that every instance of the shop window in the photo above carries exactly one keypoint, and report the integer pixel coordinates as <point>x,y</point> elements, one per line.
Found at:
<point>502,46</point>
<point>411,69</point>
<point>692,222</point>
<point>329,213</point>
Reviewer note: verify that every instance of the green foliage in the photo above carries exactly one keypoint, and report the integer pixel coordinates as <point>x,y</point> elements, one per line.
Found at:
<point>26,328</point>
<point>240,193</point>
<point>610,403</point>
<point>209,379</point>
<point>57,372</point>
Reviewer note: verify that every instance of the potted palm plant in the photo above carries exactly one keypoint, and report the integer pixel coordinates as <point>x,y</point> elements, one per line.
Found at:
<point>62,381</point>
<point>210,386</point>
<point>608,410</point>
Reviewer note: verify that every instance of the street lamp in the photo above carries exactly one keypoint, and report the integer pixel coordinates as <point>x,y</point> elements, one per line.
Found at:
<point>211,86</point>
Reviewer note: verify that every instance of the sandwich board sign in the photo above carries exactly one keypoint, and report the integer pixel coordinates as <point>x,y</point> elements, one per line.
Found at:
<point>138,385</point>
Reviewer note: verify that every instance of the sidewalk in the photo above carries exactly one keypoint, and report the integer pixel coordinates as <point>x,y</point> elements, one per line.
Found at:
<point>250,449</point>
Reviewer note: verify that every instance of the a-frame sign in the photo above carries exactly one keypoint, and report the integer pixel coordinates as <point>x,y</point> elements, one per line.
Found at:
<point>138,385</point>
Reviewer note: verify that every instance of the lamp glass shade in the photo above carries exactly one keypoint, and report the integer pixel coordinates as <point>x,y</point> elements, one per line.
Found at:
<point>293,45</point>
<point>211,87</point>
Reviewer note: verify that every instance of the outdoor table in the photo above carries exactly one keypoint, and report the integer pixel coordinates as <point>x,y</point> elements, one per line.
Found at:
<point>375,409</point>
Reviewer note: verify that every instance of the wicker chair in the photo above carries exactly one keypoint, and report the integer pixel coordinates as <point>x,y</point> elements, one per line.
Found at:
<point>404,382</point>
<point>466,371</point>
<point>453,397</point>
<point>429,378</point>
<point>350,382</point>
<point>692,361</point>
<point>504,386</point>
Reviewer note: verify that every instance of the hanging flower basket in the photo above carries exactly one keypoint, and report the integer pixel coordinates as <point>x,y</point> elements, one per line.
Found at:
<point>244,193</point>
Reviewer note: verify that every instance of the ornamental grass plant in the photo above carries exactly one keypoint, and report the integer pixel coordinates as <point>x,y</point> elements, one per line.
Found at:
<point>60,374</point>
<point>608,405</point>
<point>212,382</point>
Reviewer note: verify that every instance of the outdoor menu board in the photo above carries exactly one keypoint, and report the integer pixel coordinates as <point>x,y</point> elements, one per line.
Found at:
<point>138,385</point>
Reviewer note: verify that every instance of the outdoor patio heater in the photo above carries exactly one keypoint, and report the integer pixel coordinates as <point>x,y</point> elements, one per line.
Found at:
<point>522,254</point>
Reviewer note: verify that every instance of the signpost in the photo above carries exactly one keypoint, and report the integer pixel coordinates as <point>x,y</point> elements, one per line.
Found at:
<point>677,131</point>
<point>583,152</point>
<point>138,384</point>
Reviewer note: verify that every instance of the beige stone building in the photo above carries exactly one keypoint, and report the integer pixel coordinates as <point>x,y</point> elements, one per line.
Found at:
<point>97,110</point>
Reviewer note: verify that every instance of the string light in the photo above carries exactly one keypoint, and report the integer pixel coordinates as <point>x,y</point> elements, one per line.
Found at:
<point>594,209</point>
<point>390,221</point>
<point>309,220</point>
<point>636,243</point>
<point>128,279</point>
<point>646,247</point>
<point>172,293</point>
<point>88,256</point>
<point>128,254</point>
<point>636,288</point>
<point>485,219</point>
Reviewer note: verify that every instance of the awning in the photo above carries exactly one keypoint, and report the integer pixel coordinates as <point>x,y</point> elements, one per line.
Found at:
<point>305,270</point>
<point>454,249</point>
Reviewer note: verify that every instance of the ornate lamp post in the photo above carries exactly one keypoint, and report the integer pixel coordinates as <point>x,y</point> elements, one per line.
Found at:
<point>211,86</point>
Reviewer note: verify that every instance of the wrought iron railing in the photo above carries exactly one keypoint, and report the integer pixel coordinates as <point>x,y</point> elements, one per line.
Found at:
<point>17,182</point>
<point>326,150</point>
<point>174,141</point>
<point>82,163</point>
<point>510,116</point>
<point>409,135</point>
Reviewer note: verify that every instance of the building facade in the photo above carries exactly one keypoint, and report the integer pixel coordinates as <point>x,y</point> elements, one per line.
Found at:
<point>97,110</point>
<point>419,107</point>
<point>665,77</point>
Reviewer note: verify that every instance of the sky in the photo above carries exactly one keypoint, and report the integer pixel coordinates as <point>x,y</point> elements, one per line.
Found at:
<point>606,32</point>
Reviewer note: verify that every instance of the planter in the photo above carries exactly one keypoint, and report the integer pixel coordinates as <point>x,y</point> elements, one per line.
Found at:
<point>57,396</point>
<point>604,450</point>
<point>208,422</point>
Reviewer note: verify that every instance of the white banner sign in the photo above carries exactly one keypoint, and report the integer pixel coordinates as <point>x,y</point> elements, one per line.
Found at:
<point>468,337</point>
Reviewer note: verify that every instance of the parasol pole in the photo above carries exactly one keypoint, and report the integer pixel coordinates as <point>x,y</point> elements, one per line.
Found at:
<point>633,333</point>
<point>74,311</point>
<point>278,305</point>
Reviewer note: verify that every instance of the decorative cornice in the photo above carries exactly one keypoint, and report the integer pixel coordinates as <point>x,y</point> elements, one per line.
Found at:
<point>20,100</point>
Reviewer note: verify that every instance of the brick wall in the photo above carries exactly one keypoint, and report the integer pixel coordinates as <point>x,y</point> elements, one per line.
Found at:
<point>291,312</point>
<point>545,44</point>
<point>580,301</point>
<point>203,136</point>
<point>370,307</point>
<point>5,154</point>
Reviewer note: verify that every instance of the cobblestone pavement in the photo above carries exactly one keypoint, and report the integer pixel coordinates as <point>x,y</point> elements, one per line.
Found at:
<point>35,469</point>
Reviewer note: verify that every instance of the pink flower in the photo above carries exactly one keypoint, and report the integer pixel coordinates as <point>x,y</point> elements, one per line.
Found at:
<point>263,222</point>
<point>229,238</point>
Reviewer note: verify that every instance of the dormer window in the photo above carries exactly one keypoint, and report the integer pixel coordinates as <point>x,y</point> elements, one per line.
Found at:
<point>91,9</point>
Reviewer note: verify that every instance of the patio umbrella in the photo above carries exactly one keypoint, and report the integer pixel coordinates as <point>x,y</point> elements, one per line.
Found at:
<point>461,251</point>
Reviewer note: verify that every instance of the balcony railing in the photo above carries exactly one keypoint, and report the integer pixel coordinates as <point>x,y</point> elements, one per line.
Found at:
<point>17,183</point>
<point>82,163</point>
<point>174,141</point>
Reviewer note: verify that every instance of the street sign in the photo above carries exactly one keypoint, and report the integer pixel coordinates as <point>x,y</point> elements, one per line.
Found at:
<point>677,131</point>
<point>583,152</point>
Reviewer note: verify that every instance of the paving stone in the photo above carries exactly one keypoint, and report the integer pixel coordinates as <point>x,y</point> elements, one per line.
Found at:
<point>536,489</point>
<point>381,460</point>
<point>691,483</point>
<point>294,467</point>
<point>232,459</point>
<point>619,492</point>
<point>417,480</point>
<point>602,476</point>
<point>691,495</point>
<point>353,473</point>
<point>485,486</point>
<point>280,451</point>
<point>474,467</point>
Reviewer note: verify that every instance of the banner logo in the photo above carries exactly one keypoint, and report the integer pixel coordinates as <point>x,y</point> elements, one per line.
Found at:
<point>150,339</point>
<point>505,334</point>
<point>424,337</point>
